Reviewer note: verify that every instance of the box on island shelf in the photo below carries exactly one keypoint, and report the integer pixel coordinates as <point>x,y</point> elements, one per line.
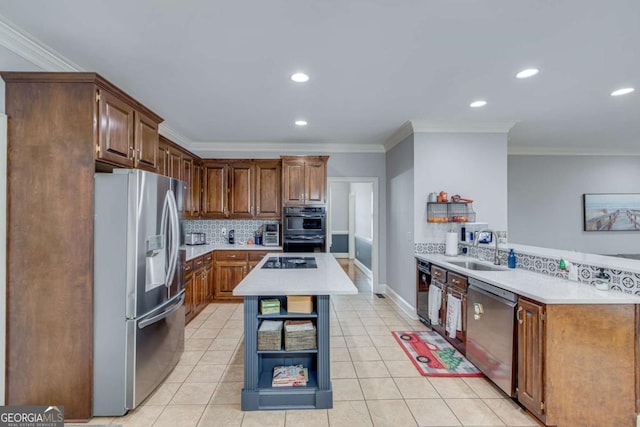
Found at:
<point>299,335</point>
<point>270,335</point>
<point>270,306</point>
<point>299,304</point>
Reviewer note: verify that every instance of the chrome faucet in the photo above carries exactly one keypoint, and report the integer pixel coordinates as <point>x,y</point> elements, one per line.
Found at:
<point>496,259</point>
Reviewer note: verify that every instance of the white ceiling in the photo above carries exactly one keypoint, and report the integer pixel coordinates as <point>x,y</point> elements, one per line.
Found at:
<point>217,71</point>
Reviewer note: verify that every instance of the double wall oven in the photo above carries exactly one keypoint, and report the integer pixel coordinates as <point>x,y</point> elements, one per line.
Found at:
<point>304,229</point>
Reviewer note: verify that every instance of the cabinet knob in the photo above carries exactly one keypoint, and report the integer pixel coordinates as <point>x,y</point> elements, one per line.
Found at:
<point>518,315</point>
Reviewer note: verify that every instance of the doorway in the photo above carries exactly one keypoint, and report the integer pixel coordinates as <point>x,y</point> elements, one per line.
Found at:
<point>353,223</point>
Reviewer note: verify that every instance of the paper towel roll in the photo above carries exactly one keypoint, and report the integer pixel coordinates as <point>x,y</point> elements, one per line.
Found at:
<point>451,244</point>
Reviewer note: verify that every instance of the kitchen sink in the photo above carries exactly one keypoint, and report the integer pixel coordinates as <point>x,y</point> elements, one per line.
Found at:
<point>472,265</point>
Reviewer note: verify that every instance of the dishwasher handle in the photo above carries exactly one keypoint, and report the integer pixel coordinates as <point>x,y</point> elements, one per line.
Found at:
<point>506,301</point>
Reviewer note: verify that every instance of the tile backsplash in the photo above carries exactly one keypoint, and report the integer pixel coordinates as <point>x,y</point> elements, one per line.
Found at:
<point>622,281</point>
<point>244,228</point>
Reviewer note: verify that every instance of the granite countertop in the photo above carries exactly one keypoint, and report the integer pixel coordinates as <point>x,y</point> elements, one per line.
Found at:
<point>540,287</point>
<point>194,251</point>
<point>328,279</point>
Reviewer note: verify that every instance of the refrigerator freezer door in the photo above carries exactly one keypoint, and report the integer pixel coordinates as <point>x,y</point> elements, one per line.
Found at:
<point>154,345</point>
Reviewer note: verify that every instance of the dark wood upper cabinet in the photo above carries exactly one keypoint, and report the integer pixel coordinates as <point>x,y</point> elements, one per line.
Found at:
<point>241,189</point>
<point>304,180</point>
<point>196,189</point>
<point>162,158</point>
<point>146,142</point>
<point>116,122</point>
<point>215,190</point>
<point>268,197</point>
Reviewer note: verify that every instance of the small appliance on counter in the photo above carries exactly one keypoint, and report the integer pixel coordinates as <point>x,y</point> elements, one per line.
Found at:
<point>271,235</point>
<point>195,239</point>
<point>232,237</point>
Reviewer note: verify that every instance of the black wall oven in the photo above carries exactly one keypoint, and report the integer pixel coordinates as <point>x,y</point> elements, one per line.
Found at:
<point>304,229</point>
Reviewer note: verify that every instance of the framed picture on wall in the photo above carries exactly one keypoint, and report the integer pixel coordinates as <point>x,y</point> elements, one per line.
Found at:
<point>611,212</point>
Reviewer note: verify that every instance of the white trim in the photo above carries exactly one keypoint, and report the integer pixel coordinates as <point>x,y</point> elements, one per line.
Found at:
<point>407,308</point>
<point>352,228</point>
<point>3,250</point>
<point>340,254</point>
<point>339,232</point>
<point>365,270</point>
<point>425,126</point>
<point>33,50</point>
<point>566,151</point>
<point>173,135</point>
<point>398,136</point>
<point>209,149</point>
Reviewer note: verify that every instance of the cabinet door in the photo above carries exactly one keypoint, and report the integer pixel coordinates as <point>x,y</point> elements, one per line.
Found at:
<point>196,189</point>
<point>208,259</point>
<point>530,356</point>
<point>174,164</point>
<point>214,197</point>
<point>242,189</point>
<point>162,158</point>
<point>188,296</point>
<point>115,137</point>
<point>187,177</point>
<point>146,142</point>
<point>293,182</point>
<point>268,189</point>
<point>227,276</point>
<point>315,182</point>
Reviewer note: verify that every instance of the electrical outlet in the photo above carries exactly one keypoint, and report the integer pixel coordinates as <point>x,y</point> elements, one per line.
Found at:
<point>223,231</point>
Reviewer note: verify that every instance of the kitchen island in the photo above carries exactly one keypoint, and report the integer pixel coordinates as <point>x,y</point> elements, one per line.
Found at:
<point>277,276</point>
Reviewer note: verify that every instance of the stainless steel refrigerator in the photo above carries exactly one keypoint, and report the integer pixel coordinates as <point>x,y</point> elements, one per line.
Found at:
<point>138,286</point>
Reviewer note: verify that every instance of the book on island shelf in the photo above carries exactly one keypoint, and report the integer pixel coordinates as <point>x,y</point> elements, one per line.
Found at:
<point>290,376</point>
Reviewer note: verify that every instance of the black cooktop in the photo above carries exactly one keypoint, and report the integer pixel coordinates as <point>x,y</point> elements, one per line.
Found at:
<point>290,262</point>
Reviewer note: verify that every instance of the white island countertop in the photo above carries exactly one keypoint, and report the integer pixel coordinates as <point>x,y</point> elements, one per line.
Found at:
<point>194,251</point>
<point>539,287</point>
<point>328,279</point>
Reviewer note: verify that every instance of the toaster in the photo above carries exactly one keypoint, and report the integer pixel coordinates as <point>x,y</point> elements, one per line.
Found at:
<point>195,239</point>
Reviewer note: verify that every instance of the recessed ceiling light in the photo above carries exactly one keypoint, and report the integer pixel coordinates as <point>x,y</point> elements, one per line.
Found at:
<point>623,91</point>
<point>529,72</point>
<point>476,104</point>
<point>299,77</point>
<point>301,122</point>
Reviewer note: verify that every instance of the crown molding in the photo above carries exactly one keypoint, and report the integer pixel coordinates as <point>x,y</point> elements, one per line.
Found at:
<point>173,135</point>
<point>567,151</point>
<point>33,50</point>
<point>211,148</point>
<point>425,126</point>
<point>399,135</point>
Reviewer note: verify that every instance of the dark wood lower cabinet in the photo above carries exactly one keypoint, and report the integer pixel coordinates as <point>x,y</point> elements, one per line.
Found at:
<point>577,363</point>
<point>530,325</point>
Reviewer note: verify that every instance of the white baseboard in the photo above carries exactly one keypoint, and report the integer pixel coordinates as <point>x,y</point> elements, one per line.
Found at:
<point>363,268</point>
<point>340,254</point>
<point>407,308</point>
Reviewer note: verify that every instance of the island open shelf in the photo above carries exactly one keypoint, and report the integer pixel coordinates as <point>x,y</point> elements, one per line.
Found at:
<point>258,393</point>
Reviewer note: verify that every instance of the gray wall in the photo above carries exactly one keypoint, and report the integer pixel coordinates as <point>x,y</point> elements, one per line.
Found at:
<point>400,259</point>
<point>545,200</point>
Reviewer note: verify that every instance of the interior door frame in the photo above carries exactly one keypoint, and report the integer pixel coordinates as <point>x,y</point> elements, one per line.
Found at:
<point>375,246</point>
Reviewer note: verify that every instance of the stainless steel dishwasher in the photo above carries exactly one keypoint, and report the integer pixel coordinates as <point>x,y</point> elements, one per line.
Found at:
<point>490,332</point>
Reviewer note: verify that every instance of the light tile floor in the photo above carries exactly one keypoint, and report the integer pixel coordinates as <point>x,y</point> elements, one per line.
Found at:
<point>374,383</point>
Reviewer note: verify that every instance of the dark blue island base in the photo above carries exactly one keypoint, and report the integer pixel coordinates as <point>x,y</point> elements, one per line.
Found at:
<point>258,394</point>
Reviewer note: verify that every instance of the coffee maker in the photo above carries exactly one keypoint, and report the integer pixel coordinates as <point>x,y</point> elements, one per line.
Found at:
<point>232,237</point>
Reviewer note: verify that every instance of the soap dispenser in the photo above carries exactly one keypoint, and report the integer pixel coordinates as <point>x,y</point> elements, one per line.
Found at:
<point>511,259</point>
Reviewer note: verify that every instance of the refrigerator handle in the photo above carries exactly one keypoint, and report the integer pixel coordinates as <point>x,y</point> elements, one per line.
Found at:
<point>146,322</point>
<point>175,237</point>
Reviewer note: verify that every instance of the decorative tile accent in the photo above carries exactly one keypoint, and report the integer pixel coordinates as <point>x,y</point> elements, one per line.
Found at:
<point>621,281</point>
<point>244,228</point>
<point>429,248</point>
